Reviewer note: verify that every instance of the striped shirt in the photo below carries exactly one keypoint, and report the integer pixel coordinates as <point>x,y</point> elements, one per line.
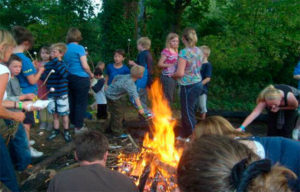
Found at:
<point>58,80</point>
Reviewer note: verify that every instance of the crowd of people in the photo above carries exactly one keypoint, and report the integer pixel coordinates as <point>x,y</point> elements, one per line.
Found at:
<point>219,156</point>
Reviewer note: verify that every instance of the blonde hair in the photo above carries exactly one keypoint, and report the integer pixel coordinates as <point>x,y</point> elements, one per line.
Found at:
<point>208,164</point>
<point>100,63</point>
<point>269,93</point>
<point>137,71</point>
<point>61,47</point>
<point>145,42</point>
<point>73,35</point>
<point>205,49</point>
<point>6,41</point>
<point>190,36</point>
<point>170,37</point>
<point>217,125</point>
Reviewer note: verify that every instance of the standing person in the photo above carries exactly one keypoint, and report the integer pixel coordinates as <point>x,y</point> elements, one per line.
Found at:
<point>7,172</point>
<point>206,71</point>
<point>79,78</point>
<point>91,150</point>
<point>101,101</point>
<point>296,133</point>
<point>168,62</point>
<point>29,77</point>
<point>117,68</point>
<point>281,102</point>
<point>189,79</point>
<point>59,101</point>
<point>46,119</point>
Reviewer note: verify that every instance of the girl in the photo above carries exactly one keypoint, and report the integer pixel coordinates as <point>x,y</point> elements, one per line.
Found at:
<point>45,117</point>
<point>189,79</point>
<point>168,62</point>
<point>281,102</point>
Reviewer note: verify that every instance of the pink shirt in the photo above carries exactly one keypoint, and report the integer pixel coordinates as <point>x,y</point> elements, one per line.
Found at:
<point>172,58</point>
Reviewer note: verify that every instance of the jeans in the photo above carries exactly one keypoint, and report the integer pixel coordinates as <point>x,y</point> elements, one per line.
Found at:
<point>78,98</point>
<point>7,172</point>
<point>189,95</point>
<point>19,149</point>
<point>169,86</point>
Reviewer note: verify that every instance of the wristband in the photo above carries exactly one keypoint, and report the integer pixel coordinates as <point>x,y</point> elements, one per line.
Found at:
<point>243,127</point>
<point>20,105</point>
<point>140,107</point>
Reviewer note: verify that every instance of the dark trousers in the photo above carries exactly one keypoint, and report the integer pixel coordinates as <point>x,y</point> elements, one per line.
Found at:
<point>101,111</point>
<point>169,86</point>
<point>7,172</point>
<point>290,117</point>
<point>116,109</point>
<point>78,98</point>
<point>188,97</point>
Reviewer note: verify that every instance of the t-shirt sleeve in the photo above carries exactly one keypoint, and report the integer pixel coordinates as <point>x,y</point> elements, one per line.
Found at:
<point>165,52</point>
<point>131,89</point>
<point>297,69</point>
<point>98,86</point>
<point>27,67</point>
<point>81,51</point>
<point>182,54</point>
<point>209,70</point>
<point>3,69</point>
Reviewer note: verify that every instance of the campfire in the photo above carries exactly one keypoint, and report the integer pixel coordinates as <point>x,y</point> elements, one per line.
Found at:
<point>154,167</point>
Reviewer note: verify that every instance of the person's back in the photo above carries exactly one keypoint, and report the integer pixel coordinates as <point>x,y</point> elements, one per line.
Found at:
<point>91,178</point>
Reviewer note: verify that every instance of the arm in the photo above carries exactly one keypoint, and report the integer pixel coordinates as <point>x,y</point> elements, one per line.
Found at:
<point>161,62</point>
<point>255,113</point>
<point>292,102</point>
<point>180,69</point>
<point>86,66</point>
<point>33,79</point>
<point>206,80</point>
<point>139,105</point>
<point>132,63</point>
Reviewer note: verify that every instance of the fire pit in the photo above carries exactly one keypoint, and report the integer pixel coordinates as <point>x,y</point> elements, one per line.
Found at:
<point>154,167</point>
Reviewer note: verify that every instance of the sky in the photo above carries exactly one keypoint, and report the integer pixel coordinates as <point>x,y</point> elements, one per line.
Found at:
<point>97,9</point>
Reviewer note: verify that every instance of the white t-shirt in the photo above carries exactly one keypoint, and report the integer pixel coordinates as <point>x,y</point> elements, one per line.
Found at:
<point>3,70</point>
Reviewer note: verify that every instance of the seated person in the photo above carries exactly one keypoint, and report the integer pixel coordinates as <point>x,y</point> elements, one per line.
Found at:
<point>216,163</point>
<point>91,150</point>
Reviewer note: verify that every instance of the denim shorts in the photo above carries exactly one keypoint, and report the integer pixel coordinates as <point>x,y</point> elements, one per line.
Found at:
<point>59,105</point>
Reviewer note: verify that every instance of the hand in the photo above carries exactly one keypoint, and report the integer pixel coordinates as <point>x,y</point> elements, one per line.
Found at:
<point>19,116</point>
<point>41,69</point>
<point>130,62</point>
<point>91,75</point>
<point>29,96</point>
<point>36,64</point>
<point>141,111</point>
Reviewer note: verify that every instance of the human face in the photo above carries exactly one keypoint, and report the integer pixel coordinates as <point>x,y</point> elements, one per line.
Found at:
<point>15,67</point>
<point>118,58</point>
<point>140,47</point>
<point>56,54</point>
<point>45,55</point>
<point>174,43</point>
<point>102,66</point>
<point>7,52</point>
<point>273,104</point>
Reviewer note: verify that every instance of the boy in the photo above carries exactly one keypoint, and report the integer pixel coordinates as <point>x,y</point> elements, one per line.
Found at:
<point>206,72</point>
<point>121,85</point>
<point>28,77</point>
<point>117,68</point>
<point>59,101</point>
<point>144,59</point>
<point>98,88</point>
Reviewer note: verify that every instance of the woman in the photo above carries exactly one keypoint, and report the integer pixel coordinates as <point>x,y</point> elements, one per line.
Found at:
<point>189,79</point>
<point>281,102</point>
<point>216,163</point>
<point>280,150</point>
<point>79,78</point>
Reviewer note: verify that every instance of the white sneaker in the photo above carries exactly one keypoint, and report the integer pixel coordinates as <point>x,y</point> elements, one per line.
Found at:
<point>35,153</point>
<point>80,131</point>
<point>31,142</point>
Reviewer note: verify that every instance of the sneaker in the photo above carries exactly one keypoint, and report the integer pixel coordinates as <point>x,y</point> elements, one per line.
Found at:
<point>35,153</point>
<point>80,131</point>
<point>123,136</point>
<point>67,136</point>
<point>53,134</point>
<point>43,125</point>
<point>31,142</point>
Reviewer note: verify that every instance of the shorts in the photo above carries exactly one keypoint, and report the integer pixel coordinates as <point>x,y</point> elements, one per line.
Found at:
<point>59,105</point>
<point>29,118</point>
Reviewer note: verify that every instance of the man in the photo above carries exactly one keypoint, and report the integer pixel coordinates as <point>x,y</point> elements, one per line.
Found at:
<point>91,150</point>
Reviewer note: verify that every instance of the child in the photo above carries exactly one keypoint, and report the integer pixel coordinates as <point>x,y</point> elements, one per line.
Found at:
<point>101,65</point>
<point>45,117</point>
<point>144,59</point>
<point>296,132</point>
<point>98,88</point>
<point>59,101</point>
<point>121,85</point>
<point>18,146</point>
<point>206,72</point>
<point>117,68</point>
<point>168,62</point>
<point>28,76</point>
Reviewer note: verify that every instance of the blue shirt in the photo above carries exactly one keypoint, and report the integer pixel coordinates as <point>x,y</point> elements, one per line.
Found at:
<point>72,59</point>
<point>58,80</point>
<point>111,71</point>
<point>144,59</point>
<point>297,72</point>
<point>27,69</point>
<point>206,71</point>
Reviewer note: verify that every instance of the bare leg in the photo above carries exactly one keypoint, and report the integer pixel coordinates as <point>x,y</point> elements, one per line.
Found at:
<point>55,121</point>
<point>65,121</point>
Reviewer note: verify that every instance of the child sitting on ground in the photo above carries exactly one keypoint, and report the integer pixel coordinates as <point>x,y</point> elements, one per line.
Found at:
<point>117,68</point>
<point>100,98</point>
<point>59,101</point>
<point>122,85</point>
